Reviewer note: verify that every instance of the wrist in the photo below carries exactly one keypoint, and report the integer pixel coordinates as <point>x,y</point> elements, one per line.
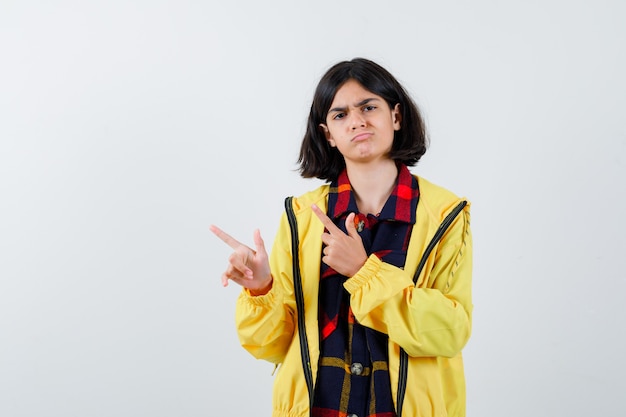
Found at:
<point>263,290</point>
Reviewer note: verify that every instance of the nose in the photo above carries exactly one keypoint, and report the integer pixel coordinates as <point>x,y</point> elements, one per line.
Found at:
<point>357,120</point>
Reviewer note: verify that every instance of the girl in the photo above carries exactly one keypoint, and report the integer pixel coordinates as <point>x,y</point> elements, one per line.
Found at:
<point>365,301</point>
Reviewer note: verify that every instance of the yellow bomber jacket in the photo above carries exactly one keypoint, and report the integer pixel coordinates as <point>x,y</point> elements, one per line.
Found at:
<point>428,323</point>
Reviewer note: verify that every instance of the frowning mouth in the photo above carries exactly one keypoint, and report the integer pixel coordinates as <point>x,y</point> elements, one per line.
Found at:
<point>361,137</point>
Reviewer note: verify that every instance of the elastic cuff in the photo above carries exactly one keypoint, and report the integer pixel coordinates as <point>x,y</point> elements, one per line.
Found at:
<point>367,272</point>
<point>261,300</point>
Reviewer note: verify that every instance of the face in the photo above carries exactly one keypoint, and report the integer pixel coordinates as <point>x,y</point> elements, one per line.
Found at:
<point>360,124</point>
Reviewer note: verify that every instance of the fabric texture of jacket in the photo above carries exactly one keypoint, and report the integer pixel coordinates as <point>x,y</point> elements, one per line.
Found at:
<point>430,320</point>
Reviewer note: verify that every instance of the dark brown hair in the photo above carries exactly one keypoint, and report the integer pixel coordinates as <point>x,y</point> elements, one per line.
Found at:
<point>318,159</point>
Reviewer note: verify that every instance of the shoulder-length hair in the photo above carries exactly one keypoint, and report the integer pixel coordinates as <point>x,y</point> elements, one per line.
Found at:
<point>318,159</point>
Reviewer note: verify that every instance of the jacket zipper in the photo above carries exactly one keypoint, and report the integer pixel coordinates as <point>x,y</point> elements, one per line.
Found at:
<point>297,284</point>
<point>404,357</point>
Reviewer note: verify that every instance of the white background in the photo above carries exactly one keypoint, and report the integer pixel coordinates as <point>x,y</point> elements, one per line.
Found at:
<point>126,128</point>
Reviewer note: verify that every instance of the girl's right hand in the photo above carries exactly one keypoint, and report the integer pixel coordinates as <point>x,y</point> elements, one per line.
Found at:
<point>247,267</point>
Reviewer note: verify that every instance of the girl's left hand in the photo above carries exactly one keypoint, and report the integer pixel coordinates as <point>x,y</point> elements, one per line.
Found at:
<point>344,253</point>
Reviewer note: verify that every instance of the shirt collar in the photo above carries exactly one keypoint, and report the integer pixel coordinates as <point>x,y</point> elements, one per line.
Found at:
<point>400,206</point>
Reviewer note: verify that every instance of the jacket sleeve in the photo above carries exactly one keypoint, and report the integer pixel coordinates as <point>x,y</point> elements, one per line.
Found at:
<point>265,324</point>
<point>432,319</point>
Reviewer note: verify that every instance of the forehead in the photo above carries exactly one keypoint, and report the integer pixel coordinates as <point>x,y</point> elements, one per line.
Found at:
<point>352,92</point>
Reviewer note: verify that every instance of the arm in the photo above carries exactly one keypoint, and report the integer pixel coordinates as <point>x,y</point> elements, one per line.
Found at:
<point>433,319</point>
<point>265,323</point>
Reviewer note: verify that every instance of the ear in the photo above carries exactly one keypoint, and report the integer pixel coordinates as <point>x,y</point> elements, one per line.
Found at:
<point>329,138</point>
<point>397,117</point>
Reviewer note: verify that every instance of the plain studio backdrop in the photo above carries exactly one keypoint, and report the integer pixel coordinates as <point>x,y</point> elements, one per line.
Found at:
<point>127,128</point>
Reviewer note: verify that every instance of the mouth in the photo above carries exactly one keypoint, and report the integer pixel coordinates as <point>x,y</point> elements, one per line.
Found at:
<point>361,136</point>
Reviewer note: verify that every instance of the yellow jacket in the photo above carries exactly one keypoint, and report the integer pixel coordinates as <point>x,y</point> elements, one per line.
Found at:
<point>430,321</point>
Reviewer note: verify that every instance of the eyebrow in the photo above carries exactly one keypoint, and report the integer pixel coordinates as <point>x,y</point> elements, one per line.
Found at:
<point>359,104</point>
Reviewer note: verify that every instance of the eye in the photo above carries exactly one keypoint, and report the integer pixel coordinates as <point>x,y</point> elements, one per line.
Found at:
<point>339,116</point>
<point>369,108</point>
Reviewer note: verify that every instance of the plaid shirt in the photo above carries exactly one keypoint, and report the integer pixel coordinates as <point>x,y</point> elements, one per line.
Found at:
<point>353,376</point>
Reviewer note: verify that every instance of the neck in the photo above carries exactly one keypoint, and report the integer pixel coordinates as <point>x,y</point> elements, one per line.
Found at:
<point>372,185</point>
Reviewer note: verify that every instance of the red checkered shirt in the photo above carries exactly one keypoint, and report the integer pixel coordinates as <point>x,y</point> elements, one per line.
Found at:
<point>353,376</point>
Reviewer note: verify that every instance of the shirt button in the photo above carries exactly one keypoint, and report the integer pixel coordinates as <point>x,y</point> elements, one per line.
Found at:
<point>357,369</point>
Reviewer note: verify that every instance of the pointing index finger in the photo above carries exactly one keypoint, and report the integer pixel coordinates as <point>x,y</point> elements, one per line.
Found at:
<point>225,237</point>
<point>326,221</point>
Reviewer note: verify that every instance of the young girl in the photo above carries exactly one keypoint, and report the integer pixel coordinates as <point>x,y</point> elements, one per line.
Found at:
<point>368,311</point>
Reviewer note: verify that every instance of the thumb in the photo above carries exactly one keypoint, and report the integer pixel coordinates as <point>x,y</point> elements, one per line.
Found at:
<point>258,242</point>
<point>350,226</point>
